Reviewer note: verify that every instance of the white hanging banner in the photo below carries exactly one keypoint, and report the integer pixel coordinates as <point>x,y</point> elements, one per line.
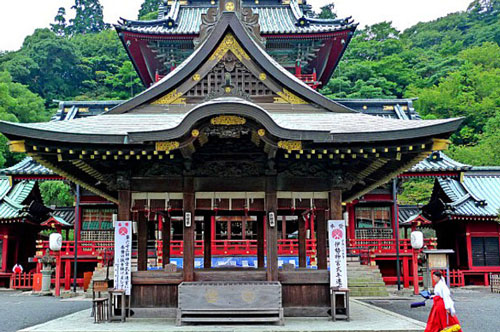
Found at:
<point>123,255</point>
<point>338,253</point>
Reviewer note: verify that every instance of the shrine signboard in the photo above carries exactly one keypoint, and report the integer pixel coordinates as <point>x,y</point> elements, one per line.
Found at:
<point>123,255</point>
<point>338,253</point>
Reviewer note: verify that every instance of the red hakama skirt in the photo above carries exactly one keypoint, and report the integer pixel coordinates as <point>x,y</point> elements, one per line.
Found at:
<point>439,318</point>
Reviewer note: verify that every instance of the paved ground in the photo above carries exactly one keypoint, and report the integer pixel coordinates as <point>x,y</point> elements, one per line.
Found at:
<point>364,318</point>
<point>477,308</point>
<point>19,310</point>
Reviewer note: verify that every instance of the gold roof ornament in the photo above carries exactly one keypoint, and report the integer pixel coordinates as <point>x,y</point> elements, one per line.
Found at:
<point>286,97</point>
<point>171,98</point>
<point>229,43</point>
<point>290,145</point>
<point>167,145</point>
<point>228,120</point>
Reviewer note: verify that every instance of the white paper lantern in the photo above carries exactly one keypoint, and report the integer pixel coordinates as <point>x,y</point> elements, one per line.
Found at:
<point>55,242</point>
<point>417,240</point>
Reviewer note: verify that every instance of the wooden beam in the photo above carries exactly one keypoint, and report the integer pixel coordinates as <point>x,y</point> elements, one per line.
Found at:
<point>260,241</point>
<point>142,242</point>
<point>335,196</point>
<point>165,236</point>
<point>188,250</point>
<point>302,241</point>
<point>272,229</point>
<point>207,237</point>
<point>124,201</point>
<point>321,240</point>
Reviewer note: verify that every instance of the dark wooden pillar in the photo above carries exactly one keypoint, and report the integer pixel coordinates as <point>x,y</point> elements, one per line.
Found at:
<point>336,204</point>
<point>166,239</point>
<point>302,241</point>
<point>207,237</point>
<point>244,227</point>
<point>283,227</point>
<point>321,240</point>
<point>142,242</point>
<point>124,201</point>
<point>260,241</point>
<point>188,204</point>
<point>272,229</point>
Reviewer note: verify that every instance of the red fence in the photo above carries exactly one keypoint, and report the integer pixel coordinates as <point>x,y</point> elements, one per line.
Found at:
<point>387,246</point>
<point>21,280</point>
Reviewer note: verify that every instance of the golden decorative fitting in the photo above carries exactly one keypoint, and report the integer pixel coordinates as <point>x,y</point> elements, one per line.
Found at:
<point>440,144</point>
<point>227,89</point>
<point>196,77</point>
<point>17,146</point>
<point>286,97</point>
<point>290,145</point>
<point>262,76</point>
<point>171,98</point>
<point>388,108</point>
<point>167,146</point>
<point>261,132</point>
<point>229,43</point>
<point>228,120</point>
<point>230,6</point>
<point>365,107</point>
<point>195,133</point>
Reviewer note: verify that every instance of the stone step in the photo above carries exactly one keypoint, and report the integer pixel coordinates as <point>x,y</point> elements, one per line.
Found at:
<point>365,280</point>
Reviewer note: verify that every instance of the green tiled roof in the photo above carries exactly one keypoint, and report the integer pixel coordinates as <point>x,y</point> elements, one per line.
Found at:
<point>12,198</point>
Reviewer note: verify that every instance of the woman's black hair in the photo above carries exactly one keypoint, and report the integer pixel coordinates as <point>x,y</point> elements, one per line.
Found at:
<point>438,274</point>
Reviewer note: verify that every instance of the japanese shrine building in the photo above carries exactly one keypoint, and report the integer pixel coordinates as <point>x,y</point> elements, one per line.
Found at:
<point>230,132</point>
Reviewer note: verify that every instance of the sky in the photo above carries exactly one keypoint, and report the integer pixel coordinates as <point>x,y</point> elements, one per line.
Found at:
<point>19,18</point>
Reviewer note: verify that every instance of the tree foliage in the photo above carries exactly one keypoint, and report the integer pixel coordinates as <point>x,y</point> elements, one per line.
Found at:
<point>149,9</point>
<point>57,193</point>
<point>88,18</point>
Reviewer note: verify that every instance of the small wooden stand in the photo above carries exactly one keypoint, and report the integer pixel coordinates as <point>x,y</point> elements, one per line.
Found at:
<point>333,294</point>
<point>115,296</point>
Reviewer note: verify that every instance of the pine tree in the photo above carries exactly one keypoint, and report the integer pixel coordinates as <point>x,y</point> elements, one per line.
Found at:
<point>59,26</point>
<point>88,18</point>
<point>149,6</point>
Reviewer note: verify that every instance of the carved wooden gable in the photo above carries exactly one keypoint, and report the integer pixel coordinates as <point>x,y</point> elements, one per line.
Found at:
<point>229,71</point>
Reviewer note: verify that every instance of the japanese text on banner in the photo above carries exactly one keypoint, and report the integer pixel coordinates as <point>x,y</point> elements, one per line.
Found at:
<point>338,261</point>
<point>123,255</point>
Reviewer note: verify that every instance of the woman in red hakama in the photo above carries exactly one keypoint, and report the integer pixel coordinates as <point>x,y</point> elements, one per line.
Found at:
<point>442,316</point>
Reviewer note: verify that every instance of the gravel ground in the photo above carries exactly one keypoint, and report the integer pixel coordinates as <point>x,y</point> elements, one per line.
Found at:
<point>477,308</point>
<point>19,310</point>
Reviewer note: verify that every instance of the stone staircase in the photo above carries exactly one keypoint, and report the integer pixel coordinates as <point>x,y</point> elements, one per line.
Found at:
<point>364,280</point>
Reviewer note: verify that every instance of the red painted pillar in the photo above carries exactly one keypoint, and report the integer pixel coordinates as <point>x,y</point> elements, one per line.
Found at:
<point>67,274</point>
<point>469,246</point>
<point>414,264</point>
<point>58,273</point>
<point>5,248</point>
<point>311,224</point>
<point>351,230</point>
<point>406,272</point>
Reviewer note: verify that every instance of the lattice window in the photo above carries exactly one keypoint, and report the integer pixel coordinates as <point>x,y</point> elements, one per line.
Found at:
<point>97,219</point>
<point>241,79</point>
<point>373,217</point>
<point>374,233</point>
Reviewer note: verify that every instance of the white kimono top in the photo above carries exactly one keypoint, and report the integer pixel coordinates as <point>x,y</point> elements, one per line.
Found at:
<point>444,292</point>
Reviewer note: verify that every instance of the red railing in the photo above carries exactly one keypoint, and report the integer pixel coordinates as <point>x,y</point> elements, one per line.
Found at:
<point>457,278</point>
<point>219,247</point>
<point>21,280</point>
<point>387,246</point>
<point>366,247</point>
<point>309,79</point>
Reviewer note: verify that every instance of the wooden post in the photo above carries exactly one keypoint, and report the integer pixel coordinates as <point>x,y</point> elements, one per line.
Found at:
<point>302,241</point>
<point>229,230</point>
<point>5,248</point>
<point>244,227</point>
<point>321,241</point>
<point>207,255</point>
<point>260,241</point>
<point>335,204</point>
<point>124,199</point>
<point>67,274</point>
<point>283,227</point>
<point>406,272</point>
<point>58,273</point>
<point>142,242</point>
<point>272,229</point>
<point>165,237</point>
<point>188,236</point>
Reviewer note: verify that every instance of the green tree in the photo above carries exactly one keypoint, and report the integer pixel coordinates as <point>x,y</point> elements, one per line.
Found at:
<point>56,193</point>
<point>59,26</point>
<point>416,191</point>
<point>327,12</point>
<point>149,9</point>
<point>88,17</point>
